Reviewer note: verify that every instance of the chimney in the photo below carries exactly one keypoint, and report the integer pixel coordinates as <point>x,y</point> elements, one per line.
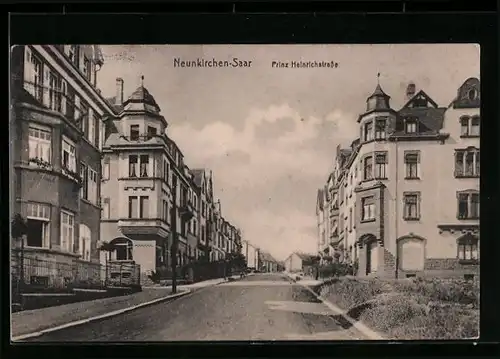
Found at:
<point>410,91</point>
<point>119,91</point>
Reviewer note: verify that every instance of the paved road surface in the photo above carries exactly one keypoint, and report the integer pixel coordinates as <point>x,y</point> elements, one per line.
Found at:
<point>259,307</point>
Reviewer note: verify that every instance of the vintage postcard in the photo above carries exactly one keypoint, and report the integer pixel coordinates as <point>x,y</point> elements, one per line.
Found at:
<point>244,192</point>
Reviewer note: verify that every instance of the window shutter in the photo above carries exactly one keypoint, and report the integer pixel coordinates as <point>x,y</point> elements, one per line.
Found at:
<point>28,71</point>
<point>45,89</point>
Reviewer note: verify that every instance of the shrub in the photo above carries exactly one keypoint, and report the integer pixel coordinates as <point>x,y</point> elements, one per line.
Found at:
<point>154,276</point>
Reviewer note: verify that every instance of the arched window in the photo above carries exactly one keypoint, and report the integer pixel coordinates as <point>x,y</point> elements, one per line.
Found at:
<point>123,249</point>
<point>85,242</point>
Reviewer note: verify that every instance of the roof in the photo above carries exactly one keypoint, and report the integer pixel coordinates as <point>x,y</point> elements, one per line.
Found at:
<point>379,92</point>
<point>198,174</point>
<point>431,118</point>
<point>265,256</point>
<point>141,94</point>
<point>112,102</point>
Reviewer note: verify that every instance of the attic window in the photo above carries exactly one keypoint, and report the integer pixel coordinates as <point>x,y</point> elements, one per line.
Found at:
<point>472,94</point>
<point>411,126</point>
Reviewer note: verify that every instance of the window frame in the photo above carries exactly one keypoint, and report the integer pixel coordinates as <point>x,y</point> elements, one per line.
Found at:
<point>70,245</point>
<point>470,203</point>
<point>46,221</point>
<point>461,167</point>
<point>380,166</point>
<point>368,207</point>
<point>368,163</point>
<point>380,130</point>
<point>412,164</point>
<point>407,216</point>
<point>66,142</point>
<point>40,144</point>
<point>471,243</point>
<point>368,131</point>
<point>411,124</point>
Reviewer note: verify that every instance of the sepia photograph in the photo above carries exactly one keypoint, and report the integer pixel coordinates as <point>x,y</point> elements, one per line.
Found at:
<point>166,193</point>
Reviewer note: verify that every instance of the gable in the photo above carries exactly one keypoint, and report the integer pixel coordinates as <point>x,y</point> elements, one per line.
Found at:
<point>469,94</point>
<point>421,100</point>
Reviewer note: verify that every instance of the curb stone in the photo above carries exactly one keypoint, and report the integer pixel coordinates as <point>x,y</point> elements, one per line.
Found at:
<point>96,318</point>
<point>361,327</point>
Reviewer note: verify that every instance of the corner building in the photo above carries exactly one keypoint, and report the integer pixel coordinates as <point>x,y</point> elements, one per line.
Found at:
<point>57,128</point>
<point>403,200</point>
<point>144,175</point>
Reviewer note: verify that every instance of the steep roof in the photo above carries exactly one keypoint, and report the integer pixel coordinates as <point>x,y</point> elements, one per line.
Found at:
<point>198,174</point>
<point>142,95</point>
<point>265,256</point>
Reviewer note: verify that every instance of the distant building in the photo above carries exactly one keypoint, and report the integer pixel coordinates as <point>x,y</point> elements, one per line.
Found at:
<point>251,255</point>
<point>267,262</point>
<point>403,200</point>
<point>299,262</point>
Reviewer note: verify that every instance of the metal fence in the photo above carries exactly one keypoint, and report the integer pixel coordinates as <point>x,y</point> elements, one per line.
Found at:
<point>35,274</point>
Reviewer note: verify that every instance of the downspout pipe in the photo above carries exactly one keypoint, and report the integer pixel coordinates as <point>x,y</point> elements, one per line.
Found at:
<point>396,270</point>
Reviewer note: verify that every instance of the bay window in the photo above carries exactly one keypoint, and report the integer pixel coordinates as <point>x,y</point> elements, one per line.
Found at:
<point>38,221</point>
<point>380,128</point>
<point>67,231</point>
<point>138,207</point>
<point>368,131</point>
<point>68,154</point>
<point>144,207</point>
<point>40,143</point>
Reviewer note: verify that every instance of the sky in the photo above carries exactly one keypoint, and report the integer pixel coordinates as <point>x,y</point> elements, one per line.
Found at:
<point>269,134</point>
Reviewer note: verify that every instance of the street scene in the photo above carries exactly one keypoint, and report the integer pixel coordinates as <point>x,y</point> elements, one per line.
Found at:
<point>245,192</point>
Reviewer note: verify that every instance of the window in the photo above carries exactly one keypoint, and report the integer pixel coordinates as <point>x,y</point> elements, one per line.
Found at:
<point>368,168</point>
<point>132,165</point>
<point>37,77</point>
<point>133,208</point>
<point>92,191</point>
<point>144,207</point>
<point>151,132</point>
<point>412,160</point>
<point>467,163</point>
<point>85,242</point>
<point>67,231</point>
<point>87,69</point>
<point>195,227</point>
<point>468,205</point>
<point>468,248</point>
<point>54,92</point>
<point>74,54</point>
<point>380,131</point>
<point>134,132</point>
<point>472,94</point>
<point>368,131</point>
<point>350,219</point>
<point>165,170</point>
<point>123,249</point>
<point>166,213</point>
<point>38,220</point>
<point>40,143</point>
<point>411,126</point>
<point>68,155</point>
<point>105,208</point>
<point>411,205</point>
<point>84,118</point>
<point>367,208</point>
<point>93,128</point>
<point>84,190</point>
<point>469,126</point>
<point>144,162</point>
<point>381,165</point>
<point>106,168</point>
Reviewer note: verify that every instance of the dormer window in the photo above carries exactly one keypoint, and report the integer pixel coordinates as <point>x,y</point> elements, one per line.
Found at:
<point>411,126</point>
<point>472,94</point>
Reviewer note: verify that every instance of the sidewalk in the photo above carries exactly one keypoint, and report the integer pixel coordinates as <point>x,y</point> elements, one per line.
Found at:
<point>31,321</point>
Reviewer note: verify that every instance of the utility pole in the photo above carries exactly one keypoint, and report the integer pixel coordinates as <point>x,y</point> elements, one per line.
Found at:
<point>173,249</point>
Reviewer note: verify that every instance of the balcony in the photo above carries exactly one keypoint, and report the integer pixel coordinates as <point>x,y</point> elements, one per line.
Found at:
<point>144,226</point>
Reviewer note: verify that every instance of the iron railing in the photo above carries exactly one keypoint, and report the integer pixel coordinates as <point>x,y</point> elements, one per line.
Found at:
<point>36,274</point>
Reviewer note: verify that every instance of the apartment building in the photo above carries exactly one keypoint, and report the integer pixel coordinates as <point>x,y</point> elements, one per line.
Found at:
<point>405,195</point>
<point>203,204</point>
<point>144,176</point>
<point>251,254</point>
<point>56,131</point>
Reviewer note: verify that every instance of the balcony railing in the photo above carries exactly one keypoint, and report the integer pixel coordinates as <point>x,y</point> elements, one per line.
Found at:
<point>141,138</point>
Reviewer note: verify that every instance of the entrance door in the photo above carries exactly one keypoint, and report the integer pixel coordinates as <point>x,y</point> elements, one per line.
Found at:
<point>368,259</point>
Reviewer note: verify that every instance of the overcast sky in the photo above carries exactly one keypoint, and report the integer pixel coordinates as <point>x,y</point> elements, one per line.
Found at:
<point>269,134</point>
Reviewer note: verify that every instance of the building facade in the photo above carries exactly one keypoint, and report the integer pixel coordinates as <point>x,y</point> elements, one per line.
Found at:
<point>145,177</point>
<point>57,127</point>
<point>251,255</point>
<point>403,200</point>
